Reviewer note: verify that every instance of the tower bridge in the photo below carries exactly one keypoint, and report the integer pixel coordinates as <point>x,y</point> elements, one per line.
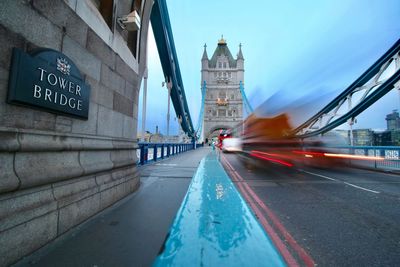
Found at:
<point>222,76</point>
<point>78,189</point>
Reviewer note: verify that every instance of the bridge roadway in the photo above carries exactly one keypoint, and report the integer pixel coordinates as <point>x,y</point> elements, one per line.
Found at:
<point>339,217</point>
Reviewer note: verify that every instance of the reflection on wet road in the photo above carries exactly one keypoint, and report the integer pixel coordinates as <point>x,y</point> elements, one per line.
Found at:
<point>215,227</point>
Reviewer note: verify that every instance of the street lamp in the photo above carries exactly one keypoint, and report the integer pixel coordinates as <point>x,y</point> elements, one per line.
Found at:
<point>169,86</point>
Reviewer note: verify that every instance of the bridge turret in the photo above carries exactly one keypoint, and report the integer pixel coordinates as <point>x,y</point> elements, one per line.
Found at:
<point>204,65</point>
<point>240,64</point>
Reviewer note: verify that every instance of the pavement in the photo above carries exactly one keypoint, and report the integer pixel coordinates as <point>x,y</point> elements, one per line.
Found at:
<point>132,231</point>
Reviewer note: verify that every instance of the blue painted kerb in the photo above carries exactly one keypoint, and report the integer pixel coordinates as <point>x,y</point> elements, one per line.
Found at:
<point>215,227</point>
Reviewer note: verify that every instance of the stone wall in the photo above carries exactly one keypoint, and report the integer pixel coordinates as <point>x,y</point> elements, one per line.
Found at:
<point>57,171</point>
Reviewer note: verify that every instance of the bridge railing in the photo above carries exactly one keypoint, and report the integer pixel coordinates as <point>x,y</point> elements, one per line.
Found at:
<point>378,157</point>
<point>150,152</point>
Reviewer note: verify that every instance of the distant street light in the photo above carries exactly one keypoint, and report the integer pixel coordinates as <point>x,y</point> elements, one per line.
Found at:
<point>169,86</point>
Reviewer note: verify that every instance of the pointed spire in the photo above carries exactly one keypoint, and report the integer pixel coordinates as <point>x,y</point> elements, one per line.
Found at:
<point>205,56</point>
<point>240,54</point>
<point>222,41</point>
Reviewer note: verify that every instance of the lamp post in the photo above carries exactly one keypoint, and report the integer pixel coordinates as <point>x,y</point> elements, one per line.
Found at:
<point>169,86</point>
<point>144,103</point>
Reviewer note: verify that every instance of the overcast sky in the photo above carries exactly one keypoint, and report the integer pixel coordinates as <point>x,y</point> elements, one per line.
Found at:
<point>306,49</point>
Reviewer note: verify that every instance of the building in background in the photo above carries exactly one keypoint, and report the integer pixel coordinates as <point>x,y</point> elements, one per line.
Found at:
<point>393,121</point>
<point>222,74</point>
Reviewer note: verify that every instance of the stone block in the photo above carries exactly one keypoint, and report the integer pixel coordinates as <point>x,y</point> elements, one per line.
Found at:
<point>9,141</point>
<point>121,158</point>
<point>44,34</point>
<point>27,237</point>
<point>130,91</point>
<point>124,143</point>
<point>74,190</point>
<point>25,205</point>
<point>111,79</point>
<point>108,197</point>
<point>86,62</point>
<point>95,161</point>
<point>48,142</point>
<point>130,125</point>
<point>8,180</point>
<point>100,94</point>
<point>77,212</point>
<point>63,16</point>
<point>133,184</point>
<point>122,104</point>
<point>109,122</point>
<point>43,120</point>
<point>37,168</point>
<point>135,110</point>
<point>39,142</point>
<point>103,179</point>
<point>63,124</point>
<point>125,71</point>
<point>97,144</point>
<point>8,40</point>
<point>122,173</point>
<point>87,126</point>
<point>16,116</point>
<point>100,49</point>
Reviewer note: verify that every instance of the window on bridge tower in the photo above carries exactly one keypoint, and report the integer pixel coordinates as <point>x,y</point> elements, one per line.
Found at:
<point>224,64</point>
<point>230,113</point>
<point>232,96</point>
<point>221,112</point>
<point>222,95</point>
<point>106,10</point>
<point>220,65</point>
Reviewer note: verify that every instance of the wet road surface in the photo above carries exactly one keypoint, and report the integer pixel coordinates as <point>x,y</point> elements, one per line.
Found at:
<point>342,217</point>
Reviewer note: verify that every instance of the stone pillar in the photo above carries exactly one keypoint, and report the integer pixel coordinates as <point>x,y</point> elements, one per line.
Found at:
<point>57,171</point>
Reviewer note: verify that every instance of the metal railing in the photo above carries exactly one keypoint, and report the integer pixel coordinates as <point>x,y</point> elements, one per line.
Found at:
<point>387,157</point>
<point>150,152</point>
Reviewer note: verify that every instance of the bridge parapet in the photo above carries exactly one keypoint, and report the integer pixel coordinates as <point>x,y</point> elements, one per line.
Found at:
<point>150,152</point>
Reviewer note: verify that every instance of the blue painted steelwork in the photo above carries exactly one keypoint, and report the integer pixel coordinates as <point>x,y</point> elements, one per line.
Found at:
<point>371,95</point>
<point>161,150</point>
<point>200,121</point>
<point>215,227</point>
<point>169,61</point>
<point>246,103</point>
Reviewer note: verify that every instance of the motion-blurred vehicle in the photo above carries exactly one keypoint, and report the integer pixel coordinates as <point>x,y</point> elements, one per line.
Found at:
<point>224,134</point>
<point>270,139</point>
<point>232,144</point>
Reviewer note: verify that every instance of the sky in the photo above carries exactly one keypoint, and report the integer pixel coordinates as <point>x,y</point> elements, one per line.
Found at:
<point>309,50</point>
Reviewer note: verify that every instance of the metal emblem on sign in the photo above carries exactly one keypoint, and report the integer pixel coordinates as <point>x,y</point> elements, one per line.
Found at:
<point>63,66</point>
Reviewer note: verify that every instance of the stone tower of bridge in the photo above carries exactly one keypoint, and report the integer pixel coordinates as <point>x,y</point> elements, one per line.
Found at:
<point>222,75</point>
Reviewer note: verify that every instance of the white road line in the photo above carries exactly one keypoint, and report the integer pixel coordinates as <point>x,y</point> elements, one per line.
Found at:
<point>322,176</point>
<point>332,179</point>
<point>362,188</point>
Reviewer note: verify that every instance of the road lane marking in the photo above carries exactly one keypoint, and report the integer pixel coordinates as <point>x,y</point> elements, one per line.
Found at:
<point>339,181</point>
<point>252,198</point>
<point>362,188</point>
